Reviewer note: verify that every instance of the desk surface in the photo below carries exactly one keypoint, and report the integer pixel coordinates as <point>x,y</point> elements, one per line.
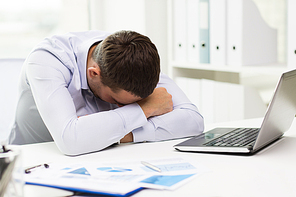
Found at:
<point>270,172</point>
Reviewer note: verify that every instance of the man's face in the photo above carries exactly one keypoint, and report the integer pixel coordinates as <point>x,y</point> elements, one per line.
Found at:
<point>120,97</point>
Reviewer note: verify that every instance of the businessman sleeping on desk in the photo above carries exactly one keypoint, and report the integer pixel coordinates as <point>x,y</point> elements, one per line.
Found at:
<point>88,90</point>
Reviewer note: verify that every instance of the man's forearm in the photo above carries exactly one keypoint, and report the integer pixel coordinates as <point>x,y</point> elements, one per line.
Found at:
<point>171,125</point>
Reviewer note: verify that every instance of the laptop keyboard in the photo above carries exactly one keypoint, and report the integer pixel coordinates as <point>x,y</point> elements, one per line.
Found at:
<point>236,138</point>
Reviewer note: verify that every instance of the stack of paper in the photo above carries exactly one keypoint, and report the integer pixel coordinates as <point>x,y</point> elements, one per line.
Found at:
<point>116,178</point>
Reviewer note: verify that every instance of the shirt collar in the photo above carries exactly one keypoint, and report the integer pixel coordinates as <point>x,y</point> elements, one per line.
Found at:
<point>82,52</point>
<point>82,60</point>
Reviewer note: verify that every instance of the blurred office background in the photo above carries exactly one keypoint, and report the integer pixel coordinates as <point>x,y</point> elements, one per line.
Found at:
<point>24,23</point>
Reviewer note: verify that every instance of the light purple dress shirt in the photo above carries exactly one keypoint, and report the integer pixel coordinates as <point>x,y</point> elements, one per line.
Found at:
<point>55,103</point>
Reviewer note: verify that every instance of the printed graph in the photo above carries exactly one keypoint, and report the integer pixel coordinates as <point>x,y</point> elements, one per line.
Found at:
<point>114,169</point>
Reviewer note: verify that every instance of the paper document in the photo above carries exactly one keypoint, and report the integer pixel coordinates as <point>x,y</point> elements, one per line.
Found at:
<point>120,178</point>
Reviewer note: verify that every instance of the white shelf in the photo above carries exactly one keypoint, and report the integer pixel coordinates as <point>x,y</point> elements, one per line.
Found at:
<point>277,68</point>
<point>262,77</point>
<point>231,73</point>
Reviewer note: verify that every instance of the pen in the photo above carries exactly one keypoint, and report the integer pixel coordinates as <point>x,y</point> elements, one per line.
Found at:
<point>28,170</point>
<point>152,167</point>
<point>4,149</point>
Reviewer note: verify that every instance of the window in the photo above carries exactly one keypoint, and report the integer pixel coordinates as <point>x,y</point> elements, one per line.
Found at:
<point>24,23</point>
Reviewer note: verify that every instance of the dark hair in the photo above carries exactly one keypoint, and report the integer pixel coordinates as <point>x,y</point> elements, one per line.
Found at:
<point>128,61</point>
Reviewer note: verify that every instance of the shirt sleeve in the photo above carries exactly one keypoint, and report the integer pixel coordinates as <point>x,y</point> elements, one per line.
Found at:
<point>48,79</point>
<point>185,119</point>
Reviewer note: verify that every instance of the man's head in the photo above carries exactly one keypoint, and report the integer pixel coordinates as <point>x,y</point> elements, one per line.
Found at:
<point>128,61</point>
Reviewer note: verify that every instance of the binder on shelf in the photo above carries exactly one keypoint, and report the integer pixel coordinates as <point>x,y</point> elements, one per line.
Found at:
<point>250,40</point>
<point>193,31</point>
<point>218,32</point>
<point>204,47</point>
<point>191,88</point>
<point>291,32</point>
<point>179,31</point>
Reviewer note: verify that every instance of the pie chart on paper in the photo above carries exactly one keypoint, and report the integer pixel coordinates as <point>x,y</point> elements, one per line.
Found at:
<point>114,169</point>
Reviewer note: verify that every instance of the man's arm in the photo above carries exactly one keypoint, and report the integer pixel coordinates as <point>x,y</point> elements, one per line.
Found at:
<point>49,81</point>
<point>158,103</point>
<point>181,121</point>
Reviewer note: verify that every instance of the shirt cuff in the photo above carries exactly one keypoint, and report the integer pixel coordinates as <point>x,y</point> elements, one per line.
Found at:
<point>132,116</point>
<point>144,133</point>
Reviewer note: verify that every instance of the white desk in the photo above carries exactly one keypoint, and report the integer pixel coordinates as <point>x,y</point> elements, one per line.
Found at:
<point>270,172</point>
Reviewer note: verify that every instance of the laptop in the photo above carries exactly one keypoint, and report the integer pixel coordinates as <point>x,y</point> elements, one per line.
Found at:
<point>278,119</point>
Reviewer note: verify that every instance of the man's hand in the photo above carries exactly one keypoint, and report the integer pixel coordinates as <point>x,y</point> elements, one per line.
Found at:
<point>158,103</point>
<point>127,138</point>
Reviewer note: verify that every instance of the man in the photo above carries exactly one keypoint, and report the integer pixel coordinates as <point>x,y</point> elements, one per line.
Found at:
<point>88,90</point>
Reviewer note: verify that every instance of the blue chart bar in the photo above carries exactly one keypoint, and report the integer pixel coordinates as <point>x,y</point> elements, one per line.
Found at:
<point>166,180</point>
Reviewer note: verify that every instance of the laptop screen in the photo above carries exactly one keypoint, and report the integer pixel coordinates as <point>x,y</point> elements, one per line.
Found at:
<point>281,110</point>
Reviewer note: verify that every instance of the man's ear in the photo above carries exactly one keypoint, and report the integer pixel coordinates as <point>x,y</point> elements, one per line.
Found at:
<point>94,72</point>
